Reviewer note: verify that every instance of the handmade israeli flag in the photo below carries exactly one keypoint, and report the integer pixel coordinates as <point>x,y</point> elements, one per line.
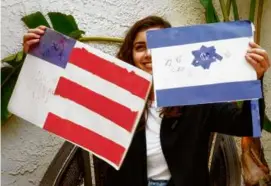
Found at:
<point>204,64</point>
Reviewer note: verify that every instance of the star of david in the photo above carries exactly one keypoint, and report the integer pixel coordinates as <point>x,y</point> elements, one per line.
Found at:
<point>205,56</point>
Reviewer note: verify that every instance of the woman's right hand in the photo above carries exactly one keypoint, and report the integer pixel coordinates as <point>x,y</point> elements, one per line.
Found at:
<point>32,37</point>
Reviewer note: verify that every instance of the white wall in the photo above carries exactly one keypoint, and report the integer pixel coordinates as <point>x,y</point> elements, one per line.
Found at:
<point>27,150</point>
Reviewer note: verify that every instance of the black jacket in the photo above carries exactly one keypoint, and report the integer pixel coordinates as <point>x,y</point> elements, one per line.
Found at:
<point>184,142</point>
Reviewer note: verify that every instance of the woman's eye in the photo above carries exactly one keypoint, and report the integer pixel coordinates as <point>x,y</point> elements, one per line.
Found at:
<point>140,48</point>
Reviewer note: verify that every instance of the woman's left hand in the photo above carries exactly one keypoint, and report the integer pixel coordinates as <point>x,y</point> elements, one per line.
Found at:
<point>258,58</point>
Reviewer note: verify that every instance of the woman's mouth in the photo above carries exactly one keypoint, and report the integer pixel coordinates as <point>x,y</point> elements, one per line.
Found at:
<point>148,65</point>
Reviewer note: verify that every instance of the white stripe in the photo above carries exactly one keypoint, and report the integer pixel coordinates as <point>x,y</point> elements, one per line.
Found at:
<point>114,60</point>
<point>80,115</point>
<point>35,86</point>
<point>103,87</point>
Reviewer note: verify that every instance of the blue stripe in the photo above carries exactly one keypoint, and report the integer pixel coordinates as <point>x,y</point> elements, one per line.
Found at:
<point>245,90</point>
<point>198,33</point>
<point>256,123</point>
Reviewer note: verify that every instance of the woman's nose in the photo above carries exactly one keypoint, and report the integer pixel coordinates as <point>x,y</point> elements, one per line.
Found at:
<point>148,53</point>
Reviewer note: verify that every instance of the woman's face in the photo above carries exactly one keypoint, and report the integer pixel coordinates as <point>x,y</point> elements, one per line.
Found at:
<point>141,55</point>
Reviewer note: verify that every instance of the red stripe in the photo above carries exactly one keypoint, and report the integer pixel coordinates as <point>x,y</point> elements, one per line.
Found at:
<point>85,138</point>
<point>110,72</point>
<point>103,106</point>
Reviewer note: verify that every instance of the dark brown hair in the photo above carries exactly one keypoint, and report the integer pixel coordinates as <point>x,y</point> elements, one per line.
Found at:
<point>126,50</point>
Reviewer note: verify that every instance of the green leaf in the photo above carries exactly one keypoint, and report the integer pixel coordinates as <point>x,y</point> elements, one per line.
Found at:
<point>7,88</point>
<point>77,34</point>
<point>267,124</point>
<point>34,20</point>
<point>15,59</point>
<point>12,74</point>
<point>10,58</point>
<point>6,92</point>
<point>224,10</point>
<point>211,15</point>
<point>63,23</point>
<point>235,10</point>
<point>252,10</point>
<point>204,3</point>
<point>5,72</point>
<point>240,103</point>
<point>210,12</point>
<point>228,7</point>
<point>20,56</point>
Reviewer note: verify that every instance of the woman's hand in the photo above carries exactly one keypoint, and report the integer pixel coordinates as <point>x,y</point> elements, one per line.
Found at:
<point>258,58</point>
<point>32,37</point>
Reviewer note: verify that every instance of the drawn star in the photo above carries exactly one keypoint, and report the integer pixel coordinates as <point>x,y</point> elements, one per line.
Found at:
<point>205,56</point>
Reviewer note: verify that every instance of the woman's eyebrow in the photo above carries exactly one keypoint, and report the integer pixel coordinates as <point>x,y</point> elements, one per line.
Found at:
<point>139,42</point>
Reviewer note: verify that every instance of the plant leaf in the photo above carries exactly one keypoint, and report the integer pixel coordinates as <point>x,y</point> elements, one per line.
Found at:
<point>224,10</point>
<point>211,15</point>
<point>267,124</point>
<point>260,5</point>
<point>7,89</point>
<point>63,23</point>
<point>252,10</point>
<point>6,92</point>
<point>240,104</point>
<point>228,7</point>
<point>34,20</point>
<point>210,12</point>
<point>14,59</point>
<point>204,3</point>
<point>20,56</point>
<point>5,72</point>
<point>10,58</point>
<point>76,34</point>
<point>235,10</point>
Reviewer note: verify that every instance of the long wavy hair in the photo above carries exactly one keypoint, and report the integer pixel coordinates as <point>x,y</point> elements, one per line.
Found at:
<point>126,51</point>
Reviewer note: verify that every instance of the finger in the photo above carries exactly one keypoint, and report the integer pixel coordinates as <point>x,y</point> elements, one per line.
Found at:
<point>42,27</point>
<point>29,36</point>
<point>254,45</point>
<point>29,43</point>
<point>32,41</point>
<point>252,61</point>
<point>255,65</point>
<point>260,59</point>
<point>259,51</point>
<point>36,31</point>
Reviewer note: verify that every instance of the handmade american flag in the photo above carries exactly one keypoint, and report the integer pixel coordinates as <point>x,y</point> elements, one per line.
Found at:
<point>82,95</point>
<point>205,63</point>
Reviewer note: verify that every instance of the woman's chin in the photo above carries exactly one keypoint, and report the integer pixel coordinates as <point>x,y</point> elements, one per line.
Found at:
<point>149,71</point>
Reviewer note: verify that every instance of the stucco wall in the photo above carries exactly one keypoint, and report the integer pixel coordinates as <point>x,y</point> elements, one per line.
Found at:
<point>27,150</point>
<point>26,153</point>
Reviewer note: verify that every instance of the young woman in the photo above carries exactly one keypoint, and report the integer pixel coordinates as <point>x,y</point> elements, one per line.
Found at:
<point>170,146</point>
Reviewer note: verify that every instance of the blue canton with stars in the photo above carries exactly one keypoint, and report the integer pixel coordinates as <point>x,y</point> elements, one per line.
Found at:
<point>205,56</point>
